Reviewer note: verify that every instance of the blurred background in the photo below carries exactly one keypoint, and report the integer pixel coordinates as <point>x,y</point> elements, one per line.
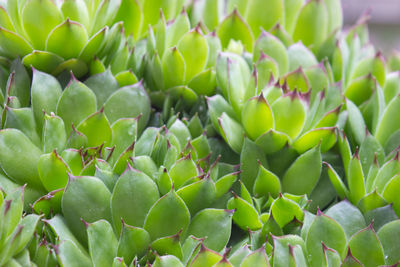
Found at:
<point>384,24</point>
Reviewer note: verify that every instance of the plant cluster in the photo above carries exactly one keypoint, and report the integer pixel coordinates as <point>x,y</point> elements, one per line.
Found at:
<point>196,133</point>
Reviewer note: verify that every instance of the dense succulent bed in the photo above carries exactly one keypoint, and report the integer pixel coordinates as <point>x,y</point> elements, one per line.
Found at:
<point>196,133</point>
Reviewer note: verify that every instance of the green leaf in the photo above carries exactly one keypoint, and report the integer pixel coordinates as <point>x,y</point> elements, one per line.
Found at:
<point>231,131</point>
<point>272,141</point>
<point>133,242</point>
<point>53,171</point>
<point>292,9</point>
<point>385,173</point>
<point>326,230</point>
<point>5,20</point>
<point>76,10</point>
<point>348,216</point>
<point>29,223</point>
<point>388,123</point>
<point>45,92</point>
<point>335,14</point>
<point>11,210</point>
<point>198,195</point>
<point>129,101</point>
<point>19,157</point>
<point>167,261</point>
<point>130,14</point>
<point>297,79</point>
<point>350,261</point>
<point>303,175</point>
<point>13,44</point>
<point>289,114</point>
<point>373,65</point>
<point>267,69</point>
<point>245,216</point>
<point>388,237</point>
<point>103,85</point>
<point>179,27</point>
<point>195,60</point>
<point>102,243</point>
<point>70,255</point>
<point>169,245</point>
<point>93,45</point>
<point>22,119</point>
<point>167,217</point>
<point>204,83</point>
<point>337,182</point>
<point>18,83</point>
<point>266,183</point>
<point>259,17</point>
<point>360,89</point>
<point>205,257</point>
<point>324,137</point>
<point>257,117</point>
<point>133,196</point>
<point>234,27</point>
<point>125,78</point>
<point>85,198</point>
<point>300,56</point>
<point>366,247</point>
<point>76,103</point>
<point>67,39</point>
<point>174,68</point>
<point>76,66</point>
<point>97,129</point>
<point>213,224</point>
<point>250,157</point>
<point>124,132</point>
<point>355,179</point>
<point>356,122</point>
<point>370,150</point>
<point>38,19</point>
<point>42,60</point>
<point>312,24</point>
<point>285,210</point>
<point>182,171</point>
<point>257,258</point>
<point>390,192</point>
<point>371,201</point>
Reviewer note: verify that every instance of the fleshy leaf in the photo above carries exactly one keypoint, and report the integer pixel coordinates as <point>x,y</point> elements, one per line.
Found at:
<point>233,27</point>
<point>19,157</point>
<point>67,39</point>
<point>326,230</point>
<point>366,247</point>
<point>257,117</point>
<point>38,19</point>
<point>75,104</point>
<point>304,173</point>
<point>101,232</point>
<point>139,191</point>
<point>128,101</point>
<point>85,198</point>
<point>167,216</point>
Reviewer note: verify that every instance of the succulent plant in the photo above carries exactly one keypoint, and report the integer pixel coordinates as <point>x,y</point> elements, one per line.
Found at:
<point>171,68</point>
<point>17,230</point>
<point>201,133</point>
<point>311,22</point>
<point>54,36</point>
<point>41,145</point>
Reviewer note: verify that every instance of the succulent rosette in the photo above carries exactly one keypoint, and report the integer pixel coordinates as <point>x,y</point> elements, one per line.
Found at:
<point>63,131</point>
<point>54,36</point>
<point>311,22</point>
<point>171,68</point>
